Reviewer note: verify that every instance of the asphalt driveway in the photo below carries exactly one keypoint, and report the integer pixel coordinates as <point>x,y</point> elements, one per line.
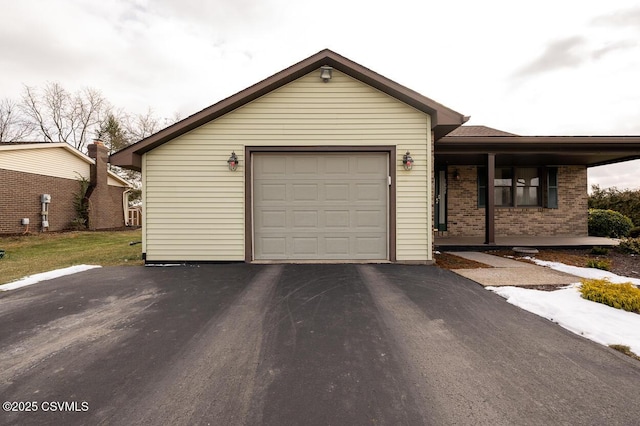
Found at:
<point>296,344</point>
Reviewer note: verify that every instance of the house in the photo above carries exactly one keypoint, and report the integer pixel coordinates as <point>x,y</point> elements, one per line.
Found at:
<point>492,183</point>
<point>41,180</point>
<point>330,161</point>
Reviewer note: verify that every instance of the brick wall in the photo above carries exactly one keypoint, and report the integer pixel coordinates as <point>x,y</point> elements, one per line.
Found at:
<point>569,219</point>
<point>20,198</point>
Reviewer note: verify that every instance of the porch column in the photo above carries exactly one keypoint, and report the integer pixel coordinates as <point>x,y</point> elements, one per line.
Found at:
<point>489,223</point>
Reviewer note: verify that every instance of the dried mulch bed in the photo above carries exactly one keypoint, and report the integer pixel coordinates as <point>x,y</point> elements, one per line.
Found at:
<point>450,261</point>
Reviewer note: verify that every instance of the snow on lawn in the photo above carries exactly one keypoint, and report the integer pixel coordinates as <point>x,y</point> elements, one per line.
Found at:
<point>566,307</point>
<point>36,278</point>
<point>585,272</point>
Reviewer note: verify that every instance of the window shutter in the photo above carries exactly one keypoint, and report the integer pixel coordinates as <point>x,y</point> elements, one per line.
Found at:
<point>482,186</point>
<point>552,187</point>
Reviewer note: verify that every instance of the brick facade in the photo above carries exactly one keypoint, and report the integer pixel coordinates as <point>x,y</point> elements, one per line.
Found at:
<point>20,198</point>
<point>465,218</point>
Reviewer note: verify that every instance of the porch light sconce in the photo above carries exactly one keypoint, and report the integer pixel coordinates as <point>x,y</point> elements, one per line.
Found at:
<point>326,73</point>
<point>407,161</point>
<point>456,174</point>
<point>233,162</point>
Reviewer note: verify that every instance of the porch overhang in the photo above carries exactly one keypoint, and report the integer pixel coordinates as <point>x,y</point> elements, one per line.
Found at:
<point>537,150</point>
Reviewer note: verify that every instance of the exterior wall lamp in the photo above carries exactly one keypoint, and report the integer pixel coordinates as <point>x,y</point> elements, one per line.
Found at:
<point>407,161</point>
<point>456,174</point>
<point>233,161</point>
<point>326,73</point>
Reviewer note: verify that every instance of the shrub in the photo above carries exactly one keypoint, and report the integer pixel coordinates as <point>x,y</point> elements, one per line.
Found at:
<point>634,232</point>
<point>625,350</point>
<point>625,201</point>
<point>630,245</point>
<point>622,296</point>
<point>608,223</point>
<point>604,264</point>
<point>81,205</point>
<point>600,251</point>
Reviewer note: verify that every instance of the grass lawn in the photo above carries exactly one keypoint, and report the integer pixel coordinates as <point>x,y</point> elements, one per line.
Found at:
<point>32,254</point>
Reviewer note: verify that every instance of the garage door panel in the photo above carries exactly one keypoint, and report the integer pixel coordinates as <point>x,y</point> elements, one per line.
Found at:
<point>273,247</point>
<point>323,206</point>
<point>337,167</point>
<point>336,192</point>
<point>305,219</point>
<point>370,166</point>
<point>272,219</point>
<point>272,192</point>
<point>369,192</point>
<point>337,246</point>
<point>337,219</point>
<point>369,219</point>
<point>274,167</point>
<point>305,246</point>
<point>304,166</point>
<point>304,192</point>
<point>370,245</point>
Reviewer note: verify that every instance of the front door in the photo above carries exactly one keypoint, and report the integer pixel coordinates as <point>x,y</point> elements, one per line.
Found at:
<point>441,200</point>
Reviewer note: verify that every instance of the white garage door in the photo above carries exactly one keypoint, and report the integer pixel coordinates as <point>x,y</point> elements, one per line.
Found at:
<point>310,206</point>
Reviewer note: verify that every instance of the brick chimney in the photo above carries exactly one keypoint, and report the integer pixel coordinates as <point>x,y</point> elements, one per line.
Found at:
<point>98,192</point>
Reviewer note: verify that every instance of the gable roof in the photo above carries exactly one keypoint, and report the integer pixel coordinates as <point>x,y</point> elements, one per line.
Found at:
<point>25,146</point>
<point>443,119</point>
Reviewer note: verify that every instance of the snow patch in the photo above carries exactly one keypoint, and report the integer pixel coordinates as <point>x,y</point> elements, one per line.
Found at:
<point>590,273</point>
<point>36,278</point>
<point>566,307</point>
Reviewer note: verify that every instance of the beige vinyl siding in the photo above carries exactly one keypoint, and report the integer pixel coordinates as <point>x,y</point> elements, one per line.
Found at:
<point>55,160</point>
<point>194,206</point>
<point>114,182</point>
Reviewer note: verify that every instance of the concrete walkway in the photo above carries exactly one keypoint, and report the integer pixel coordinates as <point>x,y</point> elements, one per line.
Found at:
<point>510,272</point>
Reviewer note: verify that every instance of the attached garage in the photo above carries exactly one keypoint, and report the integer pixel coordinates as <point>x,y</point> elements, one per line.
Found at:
<point>321,206</point>
<point>319,173</point>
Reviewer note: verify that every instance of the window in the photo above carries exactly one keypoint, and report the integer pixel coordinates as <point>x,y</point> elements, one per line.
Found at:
<point>528,187</point>
<point>520,186</point>
<point>503,184</point>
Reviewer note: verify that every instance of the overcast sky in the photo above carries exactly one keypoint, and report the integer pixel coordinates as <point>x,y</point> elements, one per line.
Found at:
<point>549,67</point>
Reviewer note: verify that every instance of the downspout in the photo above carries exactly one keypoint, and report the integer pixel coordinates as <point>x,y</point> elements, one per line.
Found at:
<point>125,206</point>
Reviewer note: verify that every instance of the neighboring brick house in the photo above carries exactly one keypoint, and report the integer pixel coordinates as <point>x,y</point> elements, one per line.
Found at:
<point>29,170</point>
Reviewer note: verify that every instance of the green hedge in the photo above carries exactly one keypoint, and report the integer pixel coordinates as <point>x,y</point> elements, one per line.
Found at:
<point>608,223</point>
<point>625,201</point>
<point>622,296</point>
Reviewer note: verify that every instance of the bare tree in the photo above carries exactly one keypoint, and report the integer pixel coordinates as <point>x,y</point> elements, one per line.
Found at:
<point>13,125</point>
<point>61,116</point>
<point>141,126</point>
